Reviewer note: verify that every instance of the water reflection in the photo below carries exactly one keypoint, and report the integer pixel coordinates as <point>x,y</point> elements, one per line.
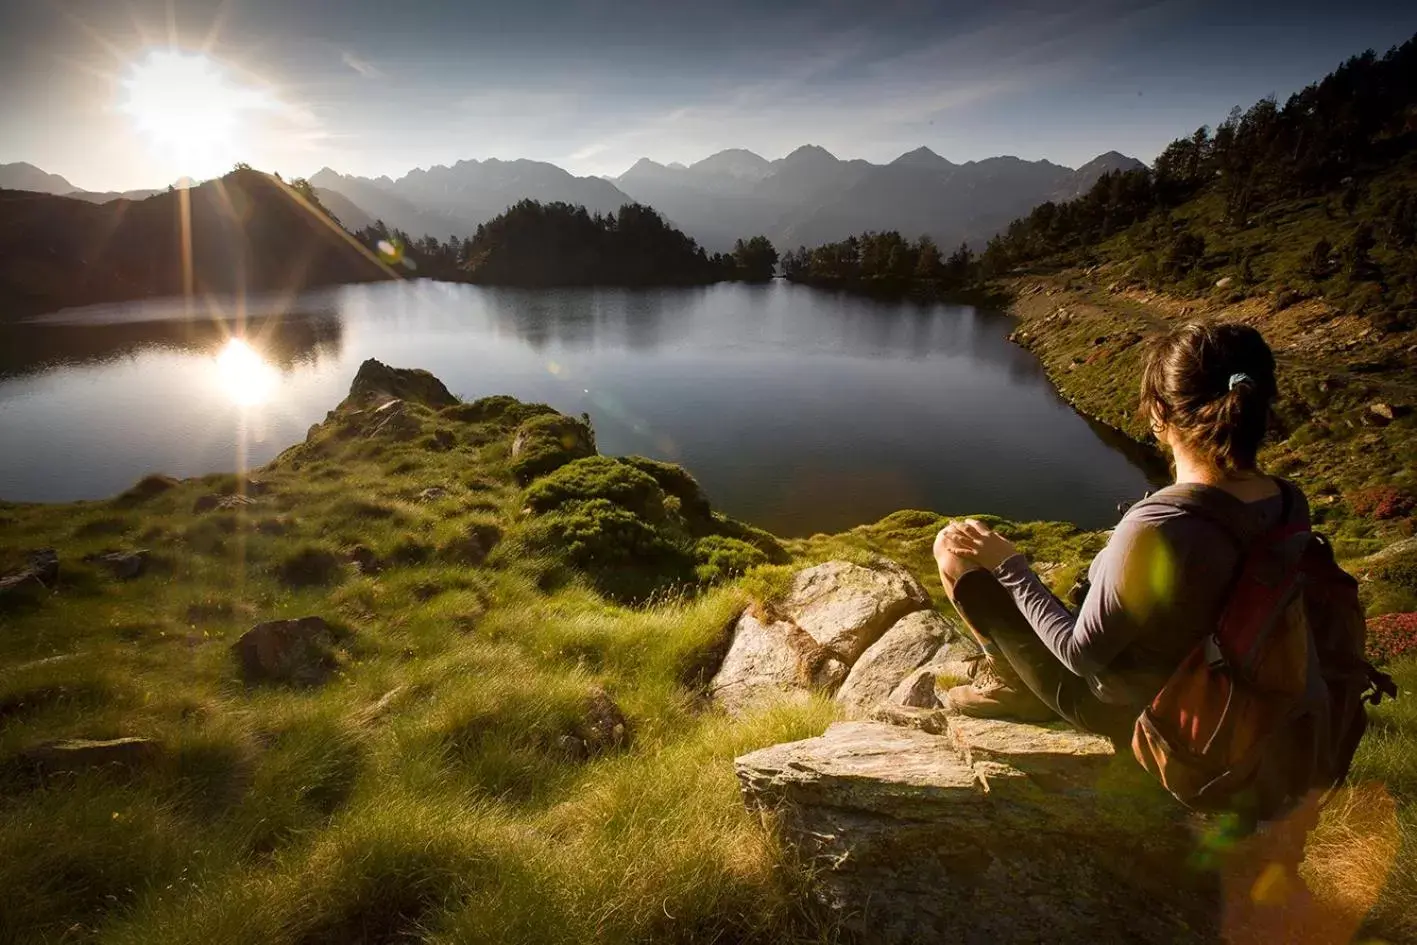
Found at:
<point>797,410</point>
<point>243,374</point>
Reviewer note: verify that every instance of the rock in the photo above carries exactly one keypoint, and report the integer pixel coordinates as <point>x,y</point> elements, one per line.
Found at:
<point>996,833</point>
<point>1224,282</point>
<point>935,721</point>
<point>1380,414</point>
<point>771,659</point>
<point>604,727</point>
<point>1395,550</point>
<point>432,494</point>
<point>908,644</point>
<point>364,560</point>
<point>71,756</point>
<point>40,571</point>
<point>846,607</point>
<point>393,420</point>
<point>124,565</point>
<point>916,690</point>
<point>299,651</point>
<point>216,502</point>
<point>376,380</point>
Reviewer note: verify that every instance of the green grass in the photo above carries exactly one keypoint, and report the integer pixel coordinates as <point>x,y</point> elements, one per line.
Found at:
<point>425,792</point>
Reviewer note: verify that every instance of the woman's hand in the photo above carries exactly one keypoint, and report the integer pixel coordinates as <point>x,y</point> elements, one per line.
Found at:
<point>974,542</point>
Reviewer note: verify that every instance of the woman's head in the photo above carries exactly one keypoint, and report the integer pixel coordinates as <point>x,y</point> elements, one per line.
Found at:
<point>1208,388</point>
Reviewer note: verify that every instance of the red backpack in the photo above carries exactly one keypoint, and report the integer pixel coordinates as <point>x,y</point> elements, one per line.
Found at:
<point>1268,708</point>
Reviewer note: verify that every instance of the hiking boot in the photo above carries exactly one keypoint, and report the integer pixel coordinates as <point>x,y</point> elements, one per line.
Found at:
<point>997,693</point>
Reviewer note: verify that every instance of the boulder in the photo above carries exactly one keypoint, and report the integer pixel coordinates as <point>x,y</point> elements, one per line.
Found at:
<point>40,571</point>
<point>907,645</point>
<point>377,381</point>
<point>124,565</point>
<point>846,607</point>
<point>602,729</point>
<point>1224,282</point>
<point>916,690</point>
<point>300,651</point>
<point>988,832</point>
<point>73,755</point>
<point>770,659</point>
<point>547,442</point>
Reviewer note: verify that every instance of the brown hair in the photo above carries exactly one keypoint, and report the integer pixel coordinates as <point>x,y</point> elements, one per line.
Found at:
<point>1212,385</point>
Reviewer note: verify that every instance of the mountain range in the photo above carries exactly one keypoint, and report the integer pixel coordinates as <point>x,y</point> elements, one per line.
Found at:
<point>22,176</point>
<point>807,198</point>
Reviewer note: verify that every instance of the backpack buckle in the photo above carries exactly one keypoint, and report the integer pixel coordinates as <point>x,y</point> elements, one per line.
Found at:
<point>1214,656</point>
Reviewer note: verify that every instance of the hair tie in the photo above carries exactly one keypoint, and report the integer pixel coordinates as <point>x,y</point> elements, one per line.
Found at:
<point>1237,379</point>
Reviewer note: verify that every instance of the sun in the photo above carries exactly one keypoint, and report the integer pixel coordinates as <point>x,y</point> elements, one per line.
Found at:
<point>244,375</point>
<point>190,110</point>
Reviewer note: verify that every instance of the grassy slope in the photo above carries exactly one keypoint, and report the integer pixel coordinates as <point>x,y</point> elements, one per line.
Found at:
<point>302,816</point>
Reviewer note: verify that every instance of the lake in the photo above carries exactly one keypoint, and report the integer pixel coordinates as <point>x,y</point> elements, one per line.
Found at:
<point>798,410</point>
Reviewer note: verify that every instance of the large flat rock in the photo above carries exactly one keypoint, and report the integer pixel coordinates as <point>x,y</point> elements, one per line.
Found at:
<point>992,833</point>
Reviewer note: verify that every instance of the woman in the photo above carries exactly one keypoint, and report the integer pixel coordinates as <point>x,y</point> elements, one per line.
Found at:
<point>1159,585</point>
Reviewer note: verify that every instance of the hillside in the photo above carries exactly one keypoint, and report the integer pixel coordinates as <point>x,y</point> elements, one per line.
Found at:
<point>22,176</point>
<point>487,717</point>
<point>248,231</point>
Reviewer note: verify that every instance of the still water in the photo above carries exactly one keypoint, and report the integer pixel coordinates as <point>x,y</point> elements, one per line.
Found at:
<point>798,410</point>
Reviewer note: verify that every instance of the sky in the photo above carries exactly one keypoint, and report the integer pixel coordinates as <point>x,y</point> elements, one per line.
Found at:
<point>374,87</point>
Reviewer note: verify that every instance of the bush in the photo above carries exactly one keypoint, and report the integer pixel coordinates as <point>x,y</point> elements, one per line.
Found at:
<point>598,477</point>
<point>1391,637</point>
<point>547,442</point>
<point>676,481</point>
<point>1382,502</point>
<point>719,558</point>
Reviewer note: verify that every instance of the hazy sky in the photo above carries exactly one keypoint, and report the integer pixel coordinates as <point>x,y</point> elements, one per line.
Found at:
<point>381,86</point>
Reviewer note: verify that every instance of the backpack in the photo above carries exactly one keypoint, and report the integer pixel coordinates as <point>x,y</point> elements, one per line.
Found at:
<point>1267,709</point>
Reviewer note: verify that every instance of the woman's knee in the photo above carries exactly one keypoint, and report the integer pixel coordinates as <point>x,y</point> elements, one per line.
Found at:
<point>952,568</point>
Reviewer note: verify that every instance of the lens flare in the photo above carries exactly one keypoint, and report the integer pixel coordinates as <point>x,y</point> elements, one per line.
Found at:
<point>243,375</point>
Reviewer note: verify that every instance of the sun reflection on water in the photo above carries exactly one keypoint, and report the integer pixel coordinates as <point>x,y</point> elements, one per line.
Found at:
<point>243,375</point>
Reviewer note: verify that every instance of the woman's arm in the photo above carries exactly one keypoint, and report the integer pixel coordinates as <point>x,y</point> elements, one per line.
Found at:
<point>1129,576</point>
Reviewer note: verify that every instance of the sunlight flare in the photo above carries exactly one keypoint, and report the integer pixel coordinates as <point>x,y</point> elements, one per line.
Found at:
<point>190,109</point>
<point>244,375</point>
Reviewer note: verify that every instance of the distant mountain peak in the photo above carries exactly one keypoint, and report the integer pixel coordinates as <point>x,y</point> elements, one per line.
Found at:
<point>810,152</point>
<point>1113,161</point>
<point>734,162</point>
<point>923,157</point>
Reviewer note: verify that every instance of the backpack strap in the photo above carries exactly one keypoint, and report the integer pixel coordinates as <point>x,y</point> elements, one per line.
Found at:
<point>1233,516</point>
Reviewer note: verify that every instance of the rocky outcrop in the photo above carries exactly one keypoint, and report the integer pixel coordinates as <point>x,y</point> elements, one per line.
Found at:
<point>124,565</point>
<point>857,628</point>
<point>300,652</point>
<point>945,829</point>
<point>40,571</point>
<point>74,755</point>
<point>915,639</point>
<point>377,381</point>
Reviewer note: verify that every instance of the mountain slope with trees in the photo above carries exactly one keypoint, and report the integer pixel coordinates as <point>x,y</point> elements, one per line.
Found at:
<point>249,232</point>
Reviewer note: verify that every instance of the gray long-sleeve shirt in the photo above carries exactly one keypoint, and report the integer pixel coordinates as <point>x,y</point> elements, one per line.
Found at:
<point>1157,588</point>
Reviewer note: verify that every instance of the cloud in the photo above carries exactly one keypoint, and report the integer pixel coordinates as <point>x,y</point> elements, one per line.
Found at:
<point>362,66</point>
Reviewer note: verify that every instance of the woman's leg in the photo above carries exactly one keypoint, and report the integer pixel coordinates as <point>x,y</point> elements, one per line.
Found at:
<point>1017,654</point>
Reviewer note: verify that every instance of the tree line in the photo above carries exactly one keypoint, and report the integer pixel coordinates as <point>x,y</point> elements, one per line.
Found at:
<point>546,244</point>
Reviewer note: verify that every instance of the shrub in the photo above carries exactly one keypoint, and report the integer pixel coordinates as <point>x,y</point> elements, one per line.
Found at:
<point>1382,502</point>
<point>676,481</point>
<point>719,558</point>
<point>547,442</point>
<point>597,533</point>
<point>598,477</point>
<point>1391,637</point>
